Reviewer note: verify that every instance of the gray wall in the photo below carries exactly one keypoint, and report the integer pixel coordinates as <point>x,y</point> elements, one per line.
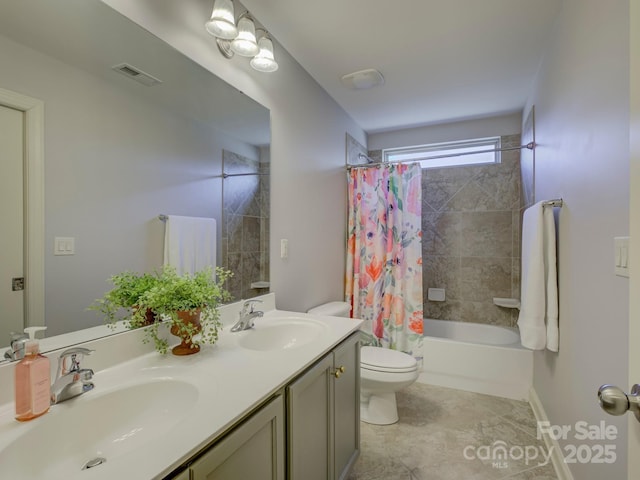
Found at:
<point>581,99</point>
<point>308,180</point>
<point>113,162</point>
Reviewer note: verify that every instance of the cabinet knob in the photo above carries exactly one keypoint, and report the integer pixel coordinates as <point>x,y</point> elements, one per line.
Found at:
<point>339,371</point>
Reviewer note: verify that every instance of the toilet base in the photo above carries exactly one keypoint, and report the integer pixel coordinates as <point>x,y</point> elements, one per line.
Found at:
<point>379,409</point>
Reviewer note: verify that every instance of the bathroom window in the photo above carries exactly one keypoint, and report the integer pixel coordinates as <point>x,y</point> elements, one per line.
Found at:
<point>477,151</point>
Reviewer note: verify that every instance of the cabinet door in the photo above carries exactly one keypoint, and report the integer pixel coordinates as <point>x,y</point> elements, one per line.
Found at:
<point>347,406</point>
<point>252,451</point>
<point>309,423</point>
<point>184,475</point>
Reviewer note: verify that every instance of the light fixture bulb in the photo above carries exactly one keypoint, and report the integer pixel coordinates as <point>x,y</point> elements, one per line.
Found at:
<point>264,61</point>
<point>245,43</point>
<point>222,22</point>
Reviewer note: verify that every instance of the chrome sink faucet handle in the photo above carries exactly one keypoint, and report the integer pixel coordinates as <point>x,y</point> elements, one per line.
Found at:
<point>71,380</point>
<point>70,359</point>
<point>247,314</point>
<point>249,305</point>
<point>17,345</point>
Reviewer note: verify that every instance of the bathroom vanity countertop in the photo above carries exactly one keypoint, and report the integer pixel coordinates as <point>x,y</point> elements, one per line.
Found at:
<point>229,382</point>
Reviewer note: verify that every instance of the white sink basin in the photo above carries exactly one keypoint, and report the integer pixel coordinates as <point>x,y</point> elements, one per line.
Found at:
<point>281,334</point>
<point>96,426</point>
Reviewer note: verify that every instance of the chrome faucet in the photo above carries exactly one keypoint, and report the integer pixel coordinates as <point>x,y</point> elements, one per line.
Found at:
<point>245,322</point>
<point>71,380</point>
<point>17,344</point>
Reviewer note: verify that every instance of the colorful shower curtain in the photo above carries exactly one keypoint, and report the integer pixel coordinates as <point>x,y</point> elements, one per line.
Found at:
<point>384,255</point>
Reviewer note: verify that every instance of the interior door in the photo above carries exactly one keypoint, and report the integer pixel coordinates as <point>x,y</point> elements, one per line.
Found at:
<point>12,217</point>
<point>634,229</point>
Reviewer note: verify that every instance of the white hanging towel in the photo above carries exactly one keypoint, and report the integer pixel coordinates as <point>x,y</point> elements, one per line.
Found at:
<point>190,243</point>
<point>538,320</point>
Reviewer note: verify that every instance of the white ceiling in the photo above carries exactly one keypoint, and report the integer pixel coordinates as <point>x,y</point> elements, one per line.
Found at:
<point>442,60</point>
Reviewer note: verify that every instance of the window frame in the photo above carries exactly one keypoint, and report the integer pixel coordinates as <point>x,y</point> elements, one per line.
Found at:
<point>433,155</point>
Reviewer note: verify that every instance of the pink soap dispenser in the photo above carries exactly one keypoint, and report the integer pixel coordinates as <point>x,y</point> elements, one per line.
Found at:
<point>32,380</point>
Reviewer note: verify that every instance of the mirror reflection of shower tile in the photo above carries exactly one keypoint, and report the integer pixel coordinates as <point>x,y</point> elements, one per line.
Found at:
<point>250,234</point>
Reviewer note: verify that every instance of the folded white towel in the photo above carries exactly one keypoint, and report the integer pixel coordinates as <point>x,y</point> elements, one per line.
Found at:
<point>190,243</point>
<point>538,319</point>
<point>551,275</point>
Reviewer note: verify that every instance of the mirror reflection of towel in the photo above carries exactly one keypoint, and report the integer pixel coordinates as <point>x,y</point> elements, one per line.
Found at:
<point>190,243</point>
<point>538,320</point>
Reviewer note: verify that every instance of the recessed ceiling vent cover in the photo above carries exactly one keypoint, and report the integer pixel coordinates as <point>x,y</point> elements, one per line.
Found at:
<point>136,74</point>
<point>363,79</point>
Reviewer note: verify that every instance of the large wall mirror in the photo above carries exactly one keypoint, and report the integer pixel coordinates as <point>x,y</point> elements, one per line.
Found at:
<point>132,130</point>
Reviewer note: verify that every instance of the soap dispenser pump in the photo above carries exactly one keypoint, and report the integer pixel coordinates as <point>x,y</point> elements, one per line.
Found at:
<point>32,380</point>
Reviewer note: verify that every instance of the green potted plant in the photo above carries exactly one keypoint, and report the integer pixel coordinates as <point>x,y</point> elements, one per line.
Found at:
<point>189,303</point>
<point>122,301</point>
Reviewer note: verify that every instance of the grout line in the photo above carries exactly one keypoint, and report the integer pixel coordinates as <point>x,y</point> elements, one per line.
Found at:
<point>516,474</point>
<point>517,426</point>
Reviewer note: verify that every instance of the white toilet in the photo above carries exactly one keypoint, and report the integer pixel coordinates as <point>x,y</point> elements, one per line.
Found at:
<point>382,373</point>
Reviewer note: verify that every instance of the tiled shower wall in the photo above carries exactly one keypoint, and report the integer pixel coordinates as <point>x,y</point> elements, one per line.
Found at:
<point>245,230</point>
<point>471,238</point>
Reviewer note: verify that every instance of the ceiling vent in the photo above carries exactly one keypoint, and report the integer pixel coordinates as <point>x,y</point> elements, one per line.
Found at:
<point>363,79</point>
<point>136,74</point>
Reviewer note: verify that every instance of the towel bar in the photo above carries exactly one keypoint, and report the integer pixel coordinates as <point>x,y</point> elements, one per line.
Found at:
<point>558,202</point>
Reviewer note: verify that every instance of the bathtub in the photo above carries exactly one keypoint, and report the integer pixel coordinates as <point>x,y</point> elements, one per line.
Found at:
<point>479,358</point>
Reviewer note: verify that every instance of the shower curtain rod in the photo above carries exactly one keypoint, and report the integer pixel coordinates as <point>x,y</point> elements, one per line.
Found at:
<point>225,175</point>
<point>373,163</point>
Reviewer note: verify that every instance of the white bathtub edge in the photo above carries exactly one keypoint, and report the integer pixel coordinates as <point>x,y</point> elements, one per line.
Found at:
<point>488,369</point>
<point>557,459</point>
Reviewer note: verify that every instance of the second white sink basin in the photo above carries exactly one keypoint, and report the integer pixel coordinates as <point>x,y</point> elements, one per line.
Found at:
<point>281,334</point>
<point>97,428</point>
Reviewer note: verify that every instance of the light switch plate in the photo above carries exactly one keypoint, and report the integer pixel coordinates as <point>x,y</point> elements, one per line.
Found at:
<point>621,256</point>
<point>64,246</point>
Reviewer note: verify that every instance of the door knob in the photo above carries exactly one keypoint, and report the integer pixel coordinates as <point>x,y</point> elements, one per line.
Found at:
<point>615,402</point>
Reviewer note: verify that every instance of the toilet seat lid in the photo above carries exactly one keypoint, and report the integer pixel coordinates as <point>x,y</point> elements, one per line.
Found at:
<point>386,360</point>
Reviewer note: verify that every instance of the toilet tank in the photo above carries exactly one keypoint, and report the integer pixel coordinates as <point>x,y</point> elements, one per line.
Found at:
<point>332,309</point>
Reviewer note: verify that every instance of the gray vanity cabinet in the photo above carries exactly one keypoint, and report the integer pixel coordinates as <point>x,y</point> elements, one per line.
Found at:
<point>323,416</point>
<point>322,438</point>
<point>254,450</point>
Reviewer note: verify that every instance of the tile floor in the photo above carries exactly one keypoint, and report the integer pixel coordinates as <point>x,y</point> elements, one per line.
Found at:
<point>436,426</point>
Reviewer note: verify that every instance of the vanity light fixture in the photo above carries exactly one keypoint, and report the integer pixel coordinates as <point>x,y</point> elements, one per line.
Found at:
<point>240,38</point>
<point>264,60</point>
<point>245,43</point>
<point>222,23</point>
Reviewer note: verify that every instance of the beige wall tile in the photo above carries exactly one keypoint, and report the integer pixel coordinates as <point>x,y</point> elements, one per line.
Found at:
<point>486,234</point>
<point>482,279</point>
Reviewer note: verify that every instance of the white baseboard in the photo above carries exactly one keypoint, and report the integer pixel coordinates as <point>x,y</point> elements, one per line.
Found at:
<point>557,459</point>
